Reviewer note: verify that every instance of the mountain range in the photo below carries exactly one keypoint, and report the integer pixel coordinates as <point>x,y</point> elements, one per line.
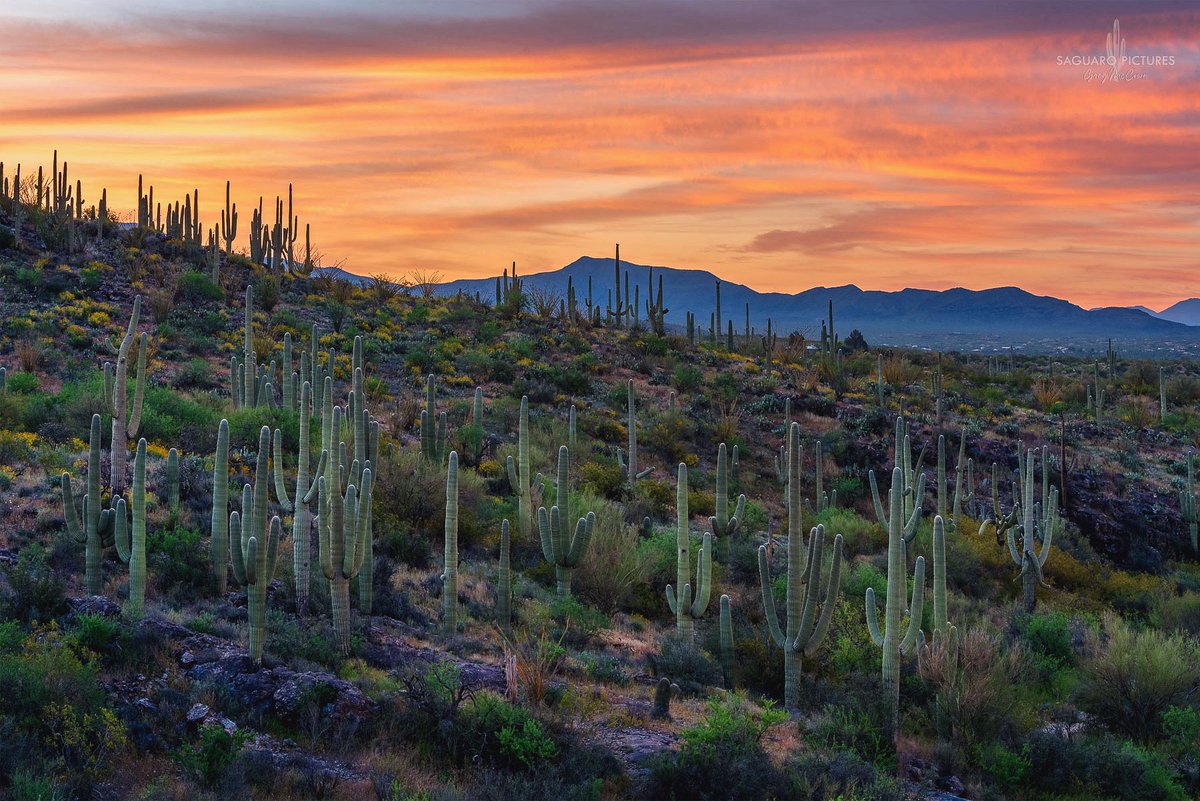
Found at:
<point>954,319</point>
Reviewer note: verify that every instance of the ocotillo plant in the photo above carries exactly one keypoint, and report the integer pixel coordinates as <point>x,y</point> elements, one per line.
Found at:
<point>255,547</point>
<point>805,632</point>
<point>297,504</point>
<point>553,525</point>
<point>727,643</point>
<point>433,428</point>
<point>1187,503</point>
<point>94,528</point>
<point>1037,521</point>
<point>131,540</point>
<point>219,545</point>
<point>890,639</point>
<point>518,473</point>
<point>724,526</point>
<point>629,468</point>
<point>692,600</point>
<point>504,581</point>
<point>115,384</point>
<point>342,530</point>
<point>450,549</point>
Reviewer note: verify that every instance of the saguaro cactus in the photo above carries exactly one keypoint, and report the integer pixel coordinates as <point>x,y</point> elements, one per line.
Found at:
<point>219,546</point>
<point>805,632</point>
<point>724,526</point>
<point>255,547</point>
<point>629,468</point>
<point>692,600</point>
<point>172,483</point>
<point>131,540</point>
<point>304,492</point>
<point>890,640</point>
<point>727,643</point>
<point>95,528</point>
<point>433,428</point>
<point>115,384</point>
<point>342,530</point>
<point>518,473</point>
<point>552,526</point>
<point>450,551</point>
<point>1036,521</point>
<point>1187,503</point>
<point>504,581</point>
<point>941,615</point>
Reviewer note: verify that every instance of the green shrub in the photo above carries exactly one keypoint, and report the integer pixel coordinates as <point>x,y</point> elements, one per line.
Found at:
<point>209,760</point>
<point>1099,768</point>
<point>722,756</point>
<point>35,591</point>
<point>196,286</point>
<point>22,383</point>
<point>857,730</point>
<point>1002,765</point>
<point>178,560</point>
<point>1137,677</point>
<point>687,378</point>
<point>513,739</point>
<point>686,664</point>
<point>96,632</point>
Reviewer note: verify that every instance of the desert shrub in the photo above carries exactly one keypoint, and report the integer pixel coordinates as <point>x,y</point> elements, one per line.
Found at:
<point>96,632</point>
<point>611,572</point>
<point>179,560</point>
<point>22,383</point>
<point>52,712</point>
<point>859,730</point>
<point>209,760</point>
<point>292,639</point>
<point>35,591</point>
<point>841,775</point>
<point>195,287</point>
<point>603,667</point>
<point>722,756</point>
<point>512,738</point>
<point>1138,676</point>
<point>603,480</point>
<point>1005,766</point>
<point>973,679</point>
<point>1099,768</point>
<point>1180,613</point>
<point>686,664</point>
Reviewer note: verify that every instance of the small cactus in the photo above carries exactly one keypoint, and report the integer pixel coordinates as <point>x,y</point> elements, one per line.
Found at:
<point>664,691</point>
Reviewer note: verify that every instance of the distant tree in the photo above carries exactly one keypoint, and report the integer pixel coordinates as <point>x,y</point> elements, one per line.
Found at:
<point>856,341</point>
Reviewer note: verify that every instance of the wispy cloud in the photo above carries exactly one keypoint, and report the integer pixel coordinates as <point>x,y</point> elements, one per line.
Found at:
<point>781,143</point>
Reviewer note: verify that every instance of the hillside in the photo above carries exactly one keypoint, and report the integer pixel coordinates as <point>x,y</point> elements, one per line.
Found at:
<point>990,320</point>
<point>417,635</point>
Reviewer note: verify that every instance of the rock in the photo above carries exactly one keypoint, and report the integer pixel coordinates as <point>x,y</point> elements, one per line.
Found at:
<point>146,704</point>
<point>95,605</point>
<point>225,723</point>
<point>197,713</point>
<point>951,784</point>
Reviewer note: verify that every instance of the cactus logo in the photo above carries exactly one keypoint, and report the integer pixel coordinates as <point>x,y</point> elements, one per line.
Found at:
<point>1116,65</point>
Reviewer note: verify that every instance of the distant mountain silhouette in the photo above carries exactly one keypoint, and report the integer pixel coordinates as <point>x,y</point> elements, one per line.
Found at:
<point>1185,311</point>
<point>965,317</point>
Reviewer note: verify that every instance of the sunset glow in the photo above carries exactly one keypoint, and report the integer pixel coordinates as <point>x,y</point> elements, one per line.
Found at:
<point>780,145</point>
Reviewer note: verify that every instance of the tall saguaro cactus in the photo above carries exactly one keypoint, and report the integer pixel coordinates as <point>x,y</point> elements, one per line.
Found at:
<point>115,386</point>
<point>553,527</point>
<point>805,632</point>
<point>1187,503</point>
<point>727,660</point>
<point>941,615</point>
<point>628,462</point>
<point>304,492</point>
<point>1037,521</point>
<point>691,601</point>
<point>450,551</point>
<point>94,528</point>
<point>724,526</point>
<point>433,428</point>
<point>890,640</point>
<point>504,581</point>
<point>219,546</point>
<point>342,528</point>
<point>254,545</point>
<point>518,473</point>
<point>131,540</point>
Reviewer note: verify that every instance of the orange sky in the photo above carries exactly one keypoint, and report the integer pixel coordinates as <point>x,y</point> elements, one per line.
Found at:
<point>780,144</point>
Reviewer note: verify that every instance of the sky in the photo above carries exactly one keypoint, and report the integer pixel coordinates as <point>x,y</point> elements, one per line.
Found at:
<point>782,145</point>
